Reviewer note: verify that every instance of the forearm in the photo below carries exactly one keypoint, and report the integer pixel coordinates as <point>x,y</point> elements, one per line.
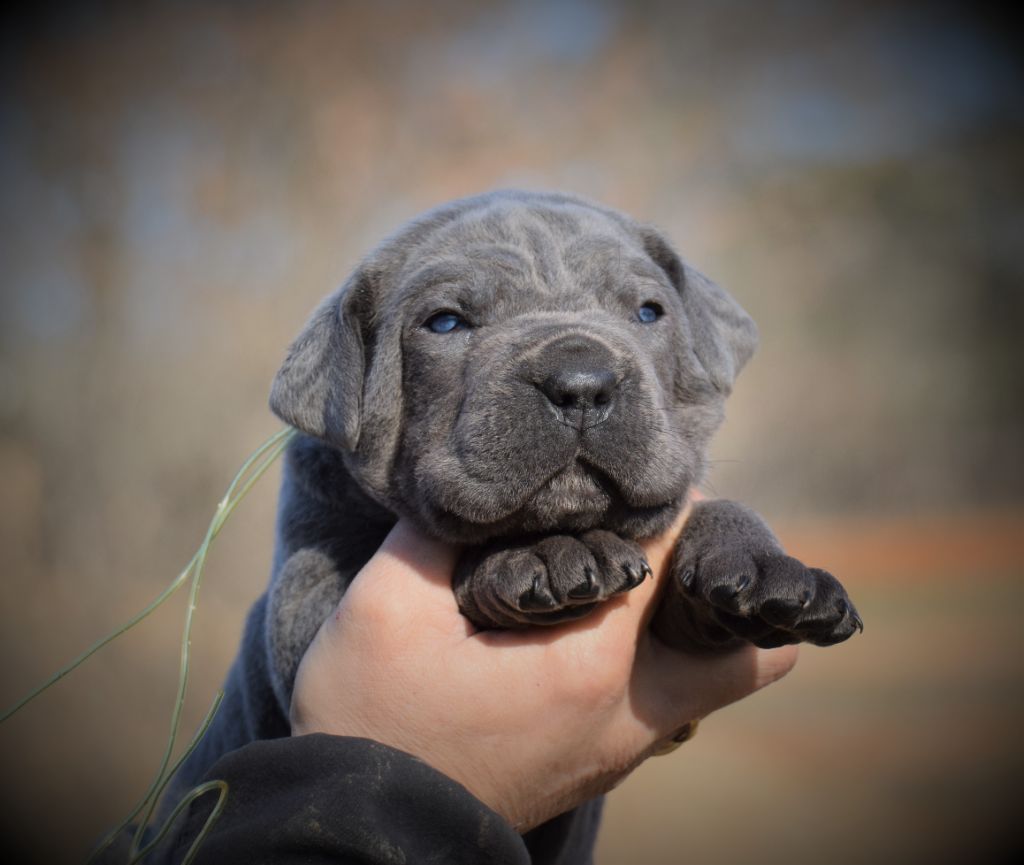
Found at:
<point>333,799</point>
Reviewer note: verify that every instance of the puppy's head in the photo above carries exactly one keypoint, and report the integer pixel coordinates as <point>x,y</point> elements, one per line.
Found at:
<point>520,362</point>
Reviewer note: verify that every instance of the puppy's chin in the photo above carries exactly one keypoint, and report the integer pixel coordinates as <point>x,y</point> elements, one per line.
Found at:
<point>574,500</point>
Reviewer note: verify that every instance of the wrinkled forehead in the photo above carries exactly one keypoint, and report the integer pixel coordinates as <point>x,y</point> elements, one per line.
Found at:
<point>527,257</point>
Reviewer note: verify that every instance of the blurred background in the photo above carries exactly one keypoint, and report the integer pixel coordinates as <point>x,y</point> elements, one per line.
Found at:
<point>182,182</point>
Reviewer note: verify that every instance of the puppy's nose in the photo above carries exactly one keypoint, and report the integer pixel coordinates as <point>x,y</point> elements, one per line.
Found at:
<point>581,394</point>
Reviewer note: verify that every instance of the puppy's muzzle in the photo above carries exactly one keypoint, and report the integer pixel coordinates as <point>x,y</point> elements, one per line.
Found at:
<point>577,377</point>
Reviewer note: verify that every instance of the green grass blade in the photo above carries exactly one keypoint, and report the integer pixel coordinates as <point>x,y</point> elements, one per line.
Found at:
<point>224,510</point>
<point>250,472</point>
<point>281,438</point>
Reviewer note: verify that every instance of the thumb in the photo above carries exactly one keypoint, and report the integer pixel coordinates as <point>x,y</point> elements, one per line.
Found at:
<point>675,687</point>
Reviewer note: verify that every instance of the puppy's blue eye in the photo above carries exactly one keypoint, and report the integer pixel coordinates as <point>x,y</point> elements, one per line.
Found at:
<point>649,312</point>
<point>445,322</point>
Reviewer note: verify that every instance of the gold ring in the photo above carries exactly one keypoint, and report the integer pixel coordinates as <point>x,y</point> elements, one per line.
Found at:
<point>684,734</point>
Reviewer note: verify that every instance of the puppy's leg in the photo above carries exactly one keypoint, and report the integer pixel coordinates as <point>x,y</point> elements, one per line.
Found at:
<point>731,582</point>
<point>302,594</point>
<point>542,581</point>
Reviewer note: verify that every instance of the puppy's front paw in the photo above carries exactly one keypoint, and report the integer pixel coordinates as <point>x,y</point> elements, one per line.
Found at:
<point>542,582</point>
<point>731,582</point>
<point>765,597</point>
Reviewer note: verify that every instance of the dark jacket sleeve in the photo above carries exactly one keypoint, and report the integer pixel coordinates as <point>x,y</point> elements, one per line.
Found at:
<point>330,799</point>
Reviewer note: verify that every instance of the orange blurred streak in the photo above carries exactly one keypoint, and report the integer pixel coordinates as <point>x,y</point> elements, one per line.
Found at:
<point>911,548</point>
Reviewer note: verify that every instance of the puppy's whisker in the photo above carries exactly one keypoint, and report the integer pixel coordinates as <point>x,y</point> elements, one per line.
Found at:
<point>706,486</point>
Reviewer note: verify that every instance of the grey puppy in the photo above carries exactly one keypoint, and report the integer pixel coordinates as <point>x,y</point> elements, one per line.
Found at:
<point>538,377</point>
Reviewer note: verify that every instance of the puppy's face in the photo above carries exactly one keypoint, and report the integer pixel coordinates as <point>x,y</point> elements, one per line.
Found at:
<point>520,363</point>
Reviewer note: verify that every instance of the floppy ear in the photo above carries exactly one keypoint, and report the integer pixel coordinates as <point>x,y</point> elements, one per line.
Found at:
<point>319,387</point>
<point>724,336</point>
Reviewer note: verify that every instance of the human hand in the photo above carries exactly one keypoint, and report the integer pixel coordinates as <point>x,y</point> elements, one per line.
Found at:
<point>531,722</point>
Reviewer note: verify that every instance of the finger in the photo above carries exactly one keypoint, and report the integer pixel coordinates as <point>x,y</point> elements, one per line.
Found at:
<point>672,687</point>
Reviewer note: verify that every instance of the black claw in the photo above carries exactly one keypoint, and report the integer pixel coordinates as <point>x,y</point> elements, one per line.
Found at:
<point>646,568</point>
<point>633,577</point>
<point>743,584</point>
<point>537,597</point>
<point>858,621</point>
<point>537,589</point>
<point>805,598</point>
<point>687,577</point>
<point>587,589</point>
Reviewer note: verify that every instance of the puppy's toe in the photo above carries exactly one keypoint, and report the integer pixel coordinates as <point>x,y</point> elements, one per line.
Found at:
<point>807,603</point>
<point>786,590</point>
<point>538,598</point>
<point>621,564</point>
<point>592,567</point>
<point>724,580</point>
<point>831,617</point>
<point>571,570</point>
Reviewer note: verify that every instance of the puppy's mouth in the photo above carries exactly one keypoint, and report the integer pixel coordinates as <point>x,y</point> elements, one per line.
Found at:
<point>582,496</point>
<point>576,492</point>
<point>577,497</point>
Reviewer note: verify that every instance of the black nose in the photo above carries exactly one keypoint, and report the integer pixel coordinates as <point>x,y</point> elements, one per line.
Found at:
<point>582,395</point>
